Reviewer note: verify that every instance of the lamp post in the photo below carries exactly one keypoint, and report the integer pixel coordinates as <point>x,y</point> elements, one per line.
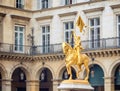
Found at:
<point>92,70</point>
<point>21,75</point>
<point>42,76</point>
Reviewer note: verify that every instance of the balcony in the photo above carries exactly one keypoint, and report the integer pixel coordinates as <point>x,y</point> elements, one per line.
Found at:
<point>88,45</point>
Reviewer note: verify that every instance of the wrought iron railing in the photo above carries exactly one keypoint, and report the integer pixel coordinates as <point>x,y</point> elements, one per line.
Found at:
<point>88,45</point>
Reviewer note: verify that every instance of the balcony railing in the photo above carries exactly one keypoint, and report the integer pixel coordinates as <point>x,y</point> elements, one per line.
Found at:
<point>105,43</point>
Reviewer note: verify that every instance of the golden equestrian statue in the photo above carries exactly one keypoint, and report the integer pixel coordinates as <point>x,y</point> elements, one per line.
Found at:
<point>73,56</point>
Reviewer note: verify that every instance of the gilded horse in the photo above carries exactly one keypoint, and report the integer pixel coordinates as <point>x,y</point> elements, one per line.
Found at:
<point>71,58</point>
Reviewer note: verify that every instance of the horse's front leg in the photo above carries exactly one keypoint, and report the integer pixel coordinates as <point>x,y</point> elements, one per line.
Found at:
<point>70,78</point>
<point>69,71</point>
<point>79,70</point>
<point>87,70</point>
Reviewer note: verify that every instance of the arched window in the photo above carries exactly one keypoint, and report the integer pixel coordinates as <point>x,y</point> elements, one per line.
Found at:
<point>96,78</point>
<point>117,78</point>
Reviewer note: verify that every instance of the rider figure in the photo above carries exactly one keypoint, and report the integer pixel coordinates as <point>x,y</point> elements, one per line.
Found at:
<point>78,47</point>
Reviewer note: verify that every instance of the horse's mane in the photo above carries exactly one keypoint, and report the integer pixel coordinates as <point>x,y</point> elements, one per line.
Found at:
<point>66,48</point>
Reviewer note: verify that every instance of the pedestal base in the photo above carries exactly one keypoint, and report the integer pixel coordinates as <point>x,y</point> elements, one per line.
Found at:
<point>75,85</point>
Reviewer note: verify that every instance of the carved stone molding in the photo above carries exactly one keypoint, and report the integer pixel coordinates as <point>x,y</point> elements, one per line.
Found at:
<point>20,17</point>
<point>56,57</point>
<point>103,53</point>
<point>68,14</point>
<point>44,18</point>
<point>93,10</point>
<point>115,6</point>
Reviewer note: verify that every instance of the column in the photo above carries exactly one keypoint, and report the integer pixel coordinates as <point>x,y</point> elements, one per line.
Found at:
<point>6,85</point>
<point>32,85</point>
<point>109,84</point>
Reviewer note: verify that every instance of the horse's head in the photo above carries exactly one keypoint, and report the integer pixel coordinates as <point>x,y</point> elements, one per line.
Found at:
<point>66,48</point>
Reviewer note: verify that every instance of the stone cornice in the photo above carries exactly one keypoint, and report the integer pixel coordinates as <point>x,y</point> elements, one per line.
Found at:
<point>14,11</point>
<point>56,57</point>
<point>20,17</point>
<point>44,17</point>
<point>67,6</point>
<point>93,10</point>
<point>103,53</point>
<point>115,6</point>
<point>15,57</point>
<point>51,57</point>
<point>53,8</point>
<point>13,8</point>
<point>30,58</point>
<point>68,14</point>
<point>2,14</point>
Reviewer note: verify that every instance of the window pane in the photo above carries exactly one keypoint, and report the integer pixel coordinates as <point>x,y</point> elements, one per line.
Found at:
<point>119,30</point>
<point>16,38</point>
<point>43,39</point>
<point>91,22</point>
<point>46,4</point>
<point>70,1</point>
<point>21,39</point>
<point>66,2</point>
<point>92,34</point>
<point>46,38</point>
<point>71,25</point>
<point>21,42</point>
<point>21,29</point>
<point>98,31</point>
<point>43,5</point>
<point>48,29</point>
<point>66,25</point>
<point>92,37</point>
<point>119,19</point>
<point>66,35</point>
<point>97,21</point>
<point>43,29</point>
<point>68,28</point>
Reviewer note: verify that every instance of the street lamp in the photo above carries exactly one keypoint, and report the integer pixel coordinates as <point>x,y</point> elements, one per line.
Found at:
<point>43,75</point>
<point>21,75</point>
<point>92,68</point>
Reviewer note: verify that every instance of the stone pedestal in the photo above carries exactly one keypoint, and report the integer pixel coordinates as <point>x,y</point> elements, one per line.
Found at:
<point>75,85</point>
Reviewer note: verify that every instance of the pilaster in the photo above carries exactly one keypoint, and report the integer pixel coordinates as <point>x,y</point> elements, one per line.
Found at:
<point>6,85</point>
<point>109,84</point>
<point>32,85</point>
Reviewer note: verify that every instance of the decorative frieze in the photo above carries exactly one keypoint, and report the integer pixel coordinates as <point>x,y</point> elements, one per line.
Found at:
<point>55,57</point>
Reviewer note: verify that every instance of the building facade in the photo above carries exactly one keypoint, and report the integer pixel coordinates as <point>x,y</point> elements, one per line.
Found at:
<point>31,37</point>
